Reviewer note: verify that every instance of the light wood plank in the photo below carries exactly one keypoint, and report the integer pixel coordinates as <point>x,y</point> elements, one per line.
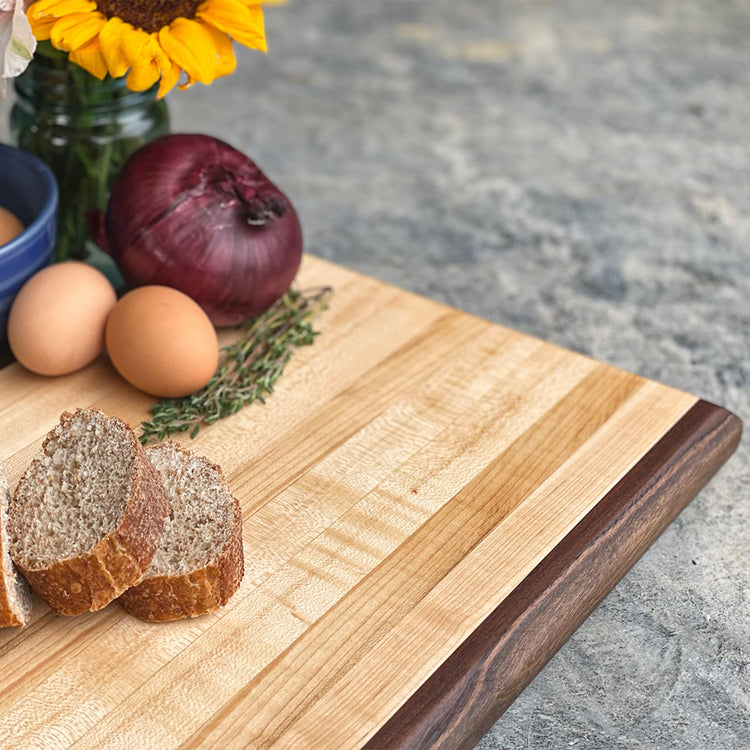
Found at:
<point>301,592</point>
<point>463,598</point>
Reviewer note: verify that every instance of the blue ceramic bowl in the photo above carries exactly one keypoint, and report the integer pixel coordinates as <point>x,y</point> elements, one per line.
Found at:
<point>29,190</point>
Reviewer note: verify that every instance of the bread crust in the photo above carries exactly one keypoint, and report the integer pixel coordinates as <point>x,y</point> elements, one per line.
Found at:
<point>11,615</point>
<point>198,592</point>
<point>9,618</point>
<point>93,579</point>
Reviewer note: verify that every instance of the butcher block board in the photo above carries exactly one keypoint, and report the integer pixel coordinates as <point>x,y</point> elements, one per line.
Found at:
<point>432,504</point>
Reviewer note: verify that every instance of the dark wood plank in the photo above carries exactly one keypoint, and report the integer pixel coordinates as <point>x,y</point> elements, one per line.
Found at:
<point>470,691</point>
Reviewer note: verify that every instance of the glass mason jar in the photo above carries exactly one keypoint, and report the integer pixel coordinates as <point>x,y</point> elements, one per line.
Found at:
<point>84,129</point>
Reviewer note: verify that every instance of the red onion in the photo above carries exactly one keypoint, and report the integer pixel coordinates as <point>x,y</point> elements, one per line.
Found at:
<point>193,213</point>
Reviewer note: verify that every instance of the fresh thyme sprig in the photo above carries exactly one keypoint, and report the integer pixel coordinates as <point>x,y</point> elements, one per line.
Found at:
<point>247,369</point>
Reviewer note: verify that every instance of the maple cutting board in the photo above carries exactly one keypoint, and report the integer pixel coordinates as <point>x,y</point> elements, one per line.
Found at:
<point>432,504</point>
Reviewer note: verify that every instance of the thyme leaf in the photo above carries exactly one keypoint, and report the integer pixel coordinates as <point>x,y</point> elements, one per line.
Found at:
<point>247,370</point>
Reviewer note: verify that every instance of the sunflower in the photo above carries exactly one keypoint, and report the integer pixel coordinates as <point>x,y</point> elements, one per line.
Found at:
<point>150,40</point>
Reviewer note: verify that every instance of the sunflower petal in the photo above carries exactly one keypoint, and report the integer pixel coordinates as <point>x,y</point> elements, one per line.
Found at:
<point>170,74</point>
<point>41,29</point>
<point>60,8</point>
<point>137,45</point>
<point>226,62</point>
<point>244,23</point>
<point>143,77</point>
<point>44,14</point>
<point>148,61</point>
<point>110,43</point>
<point>188,44</point>
<point>90,58</point>
<point>76,30</point>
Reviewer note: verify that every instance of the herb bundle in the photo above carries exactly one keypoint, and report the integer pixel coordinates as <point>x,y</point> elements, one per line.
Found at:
<point>248,368</point>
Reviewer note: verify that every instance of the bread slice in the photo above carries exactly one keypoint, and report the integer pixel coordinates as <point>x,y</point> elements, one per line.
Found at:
<point>88,514</point>
<point>15,594</point>
<point>199,563</point>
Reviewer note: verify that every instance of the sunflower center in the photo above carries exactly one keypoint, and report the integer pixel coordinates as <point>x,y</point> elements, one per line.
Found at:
<point>149,15</point>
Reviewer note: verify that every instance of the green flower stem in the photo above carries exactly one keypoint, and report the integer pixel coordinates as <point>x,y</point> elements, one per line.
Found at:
<point>85,130</point>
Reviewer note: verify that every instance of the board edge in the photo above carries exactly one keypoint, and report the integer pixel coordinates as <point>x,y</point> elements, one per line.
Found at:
<point>466,695</point>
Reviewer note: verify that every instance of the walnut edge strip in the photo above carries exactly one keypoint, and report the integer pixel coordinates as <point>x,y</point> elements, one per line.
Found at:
<point>456,706</point>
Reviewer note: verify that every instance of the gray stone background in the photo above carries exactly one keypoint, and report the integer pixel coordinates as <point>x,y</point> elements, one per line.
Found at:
<point>579,171</point>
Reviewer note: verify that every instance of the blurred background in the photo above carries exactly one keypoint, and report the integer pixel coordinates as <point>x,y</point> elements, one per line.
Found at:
<point>579,171</point>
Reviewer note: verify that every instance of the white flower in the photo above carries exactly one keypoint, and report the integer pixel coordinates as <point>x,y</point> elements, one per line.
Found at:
<point>17,43</point>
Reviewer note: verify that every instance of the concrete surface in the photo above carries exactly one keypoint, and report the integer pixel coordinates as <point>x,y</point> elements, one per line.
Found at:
<point>579,171</point>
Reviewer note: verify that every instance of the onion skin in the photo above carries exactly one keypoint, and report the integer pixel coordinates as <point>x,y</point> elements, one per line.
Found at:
<point>191,212</point>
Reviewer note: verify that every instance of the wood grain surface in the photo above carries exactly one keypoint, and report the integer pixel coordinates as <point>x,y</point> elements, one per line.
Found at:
<point>431,504</point>
<point>473,687</point>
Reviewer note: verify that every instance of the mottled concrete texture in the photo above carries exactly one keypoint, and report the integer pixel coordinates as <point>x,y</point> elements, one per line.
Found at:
<point>579,171</point>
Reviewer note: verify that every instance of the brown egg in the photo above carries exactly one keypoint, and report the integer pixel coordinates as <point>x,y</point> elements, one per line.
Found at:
<point>56,322</point>
<point>10,226</point>
<point>162,342</point>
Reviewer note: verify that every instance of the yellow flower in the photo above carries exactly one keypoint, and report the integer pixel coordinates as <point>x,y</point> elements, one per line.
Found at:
<point>150,40</point>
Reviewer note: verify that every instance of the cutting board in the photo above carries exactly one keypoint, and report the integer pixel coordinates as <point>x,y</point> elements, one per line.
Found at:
<point>432,504</point>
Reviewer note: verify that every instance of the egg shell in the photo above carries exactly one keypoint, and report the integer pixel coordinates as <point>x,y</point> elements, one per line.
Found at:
<point>56,322</point>
<point>162,342</point>
<point>10,226</point>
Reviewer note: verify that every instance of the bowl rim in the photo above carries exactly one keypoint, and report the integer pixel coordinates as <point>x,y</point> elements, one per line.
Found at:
<point>50,205</point>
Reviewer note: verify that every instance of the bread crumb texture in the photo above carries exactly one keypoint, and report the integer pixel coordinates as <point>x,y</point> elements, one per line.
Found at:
<point>75,491</point>
<point>199,563</point>
<point>200,524</point>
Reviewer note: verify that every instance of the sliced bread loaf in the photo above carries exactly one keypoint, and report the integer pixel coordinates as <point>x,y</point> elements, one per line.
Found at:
<point>199,563</point>
<point>15,594</point>
<point>88,514</point>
